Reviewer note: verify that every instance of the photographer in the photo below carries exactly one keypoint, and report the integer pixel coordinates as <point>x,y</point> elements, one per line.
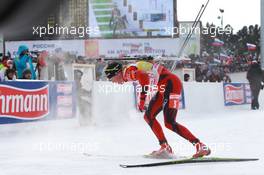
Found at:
<point>254,76</point>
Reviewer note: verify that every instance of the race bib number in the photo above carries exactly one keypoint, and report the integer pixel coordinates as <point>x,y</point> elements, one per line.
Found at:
<point>174,101</point>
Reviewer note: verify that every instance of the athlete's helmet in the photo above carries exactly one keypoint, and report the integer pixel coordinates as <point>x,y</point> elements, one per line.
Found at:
<point>112,69</point>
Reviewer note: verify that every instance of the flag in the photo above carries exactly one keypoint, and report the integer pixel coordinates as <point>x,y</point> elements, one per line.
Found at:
<point>224,56</point>
<point>217,42</point>
<point>251,47</point>
<point>227,60</point>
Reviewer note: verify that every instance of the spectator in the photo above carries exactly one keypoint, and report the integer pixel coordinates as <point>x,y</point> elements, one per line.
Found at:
<point>255,77</point>
<point>199,74</point>
<point>10,74</point>
<point>2,71</point>
<point>226,79</point>
<point>42,66</point>
<point>4,60</point>
<point>23,61</point>
<point>27,74</point>
<point>99,69</point>
<point>9,64</point>
<point>214,77</point>
<point>58,64</point>
<point>186,77</point>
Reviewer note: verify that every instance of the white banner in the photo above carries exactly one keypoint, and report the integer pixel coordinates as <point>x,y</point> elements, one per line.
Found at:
<point>131,47</point>
<point>94,48</point>
<point>72,46</point>
<point>149,46</point>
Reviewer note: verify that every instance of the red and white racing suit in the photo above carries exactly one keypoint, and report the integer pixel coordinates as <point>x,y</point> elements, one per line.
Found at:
<point>166,99</point>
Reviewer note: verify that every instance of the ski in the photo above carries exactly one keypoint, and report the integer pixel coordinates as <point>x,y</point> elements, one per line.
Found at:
<point>109,156</point>
<point>165,157</point>
<point>188,161</point>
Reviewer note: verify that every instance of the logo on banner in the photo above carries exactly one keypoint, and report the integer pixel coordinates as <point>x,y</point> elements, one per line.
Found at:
<point>234,94</point>
<point>91,48</point>
<point>24,104</point>
<point>43,46</point>
<point>248,95</point>
<point>64,88</point>
<point>64,100</point>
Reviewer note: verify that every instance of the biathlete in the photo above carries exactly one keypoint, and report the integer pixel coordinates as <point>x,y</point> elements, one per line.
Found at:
<point>167,99</point>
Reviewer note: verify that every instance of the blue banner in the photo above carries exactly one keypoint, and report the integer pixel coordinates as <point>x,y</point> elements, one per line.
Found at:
<point>236,94</point>
<point>36,100</point>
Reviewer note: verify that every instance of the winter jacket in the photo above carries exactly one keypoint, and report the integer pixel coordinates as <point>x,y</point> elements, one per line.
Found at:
<point>255,75</point>
<point>23,62</point>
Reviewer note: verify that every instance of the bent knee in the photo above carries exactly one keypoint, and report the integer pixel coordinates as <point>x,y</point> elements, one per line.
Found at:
<point>168,125</point>
<point>147,118</point>
<point>171,125</point>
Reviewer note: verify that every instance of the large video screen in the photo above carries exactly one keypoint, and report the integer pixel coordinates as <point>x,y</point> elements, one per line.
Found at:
<point>132,18</point>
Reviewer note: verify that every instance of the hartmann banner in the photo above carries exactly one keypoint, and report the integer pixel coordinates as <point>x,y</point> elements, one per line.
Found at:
<point>34,101</point>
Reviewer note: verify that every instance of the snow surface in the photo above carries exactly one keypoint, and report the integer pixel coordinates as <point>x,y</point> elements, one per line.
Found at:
<point>57,147</point>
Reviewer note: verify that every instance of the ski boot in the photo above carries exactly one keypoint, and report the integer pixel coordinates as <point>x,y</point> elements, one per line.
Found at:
<point>201,150</point>
<point>165,152</point>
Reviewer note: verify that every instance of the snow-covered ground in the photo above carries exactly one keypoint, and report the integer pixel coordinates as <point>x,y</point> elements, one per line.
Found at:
<point>57,147</point>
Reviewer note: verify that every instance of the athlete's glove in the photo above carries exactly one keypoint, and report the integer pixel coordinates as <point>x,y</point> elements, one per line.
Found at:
<point>141,106</point>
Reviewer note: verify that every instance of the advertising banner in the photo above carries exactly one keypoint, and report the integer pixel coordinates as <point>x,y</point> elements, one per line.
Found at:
<point>65,100</point>
<point>132,47</point>
<point>35,100</point>
<point>72,46</point>
<point>146,46</point>
<point>236,94</point>
<point>115,48</point>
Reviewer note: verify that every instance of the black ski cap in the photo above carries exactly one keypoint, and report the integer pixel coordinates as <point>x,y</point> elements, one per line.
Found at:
<point>112,69</point>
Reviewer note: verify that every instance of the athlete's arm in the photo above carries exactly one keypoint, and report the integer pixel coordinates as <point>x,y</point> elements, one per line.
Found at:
<point>143,79</point>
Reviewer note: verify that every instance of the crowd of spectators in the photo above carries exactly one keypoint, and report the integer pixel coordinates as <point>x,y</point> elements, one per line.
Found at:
<point>51,66</point>
<point>207,69</point>
<point>34,65</point>
<point>212,69</point>
<point>23,66</point>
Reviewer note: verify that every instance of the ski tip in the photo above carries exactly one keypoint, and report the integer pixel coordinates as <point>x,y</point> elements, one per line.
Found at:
<point>254,159</point>
<point>226,159</point>
<point>123,166</point>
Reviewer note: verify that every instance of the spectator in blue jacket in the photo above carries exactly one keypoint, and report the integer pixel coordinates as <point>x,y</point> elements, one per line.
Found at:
<point>23,61</point>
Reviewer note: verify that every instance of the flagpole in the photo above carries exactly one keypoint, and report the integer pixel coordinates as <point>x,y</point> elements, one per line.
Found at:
<point>262,35</point>
<point>197,20</point>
